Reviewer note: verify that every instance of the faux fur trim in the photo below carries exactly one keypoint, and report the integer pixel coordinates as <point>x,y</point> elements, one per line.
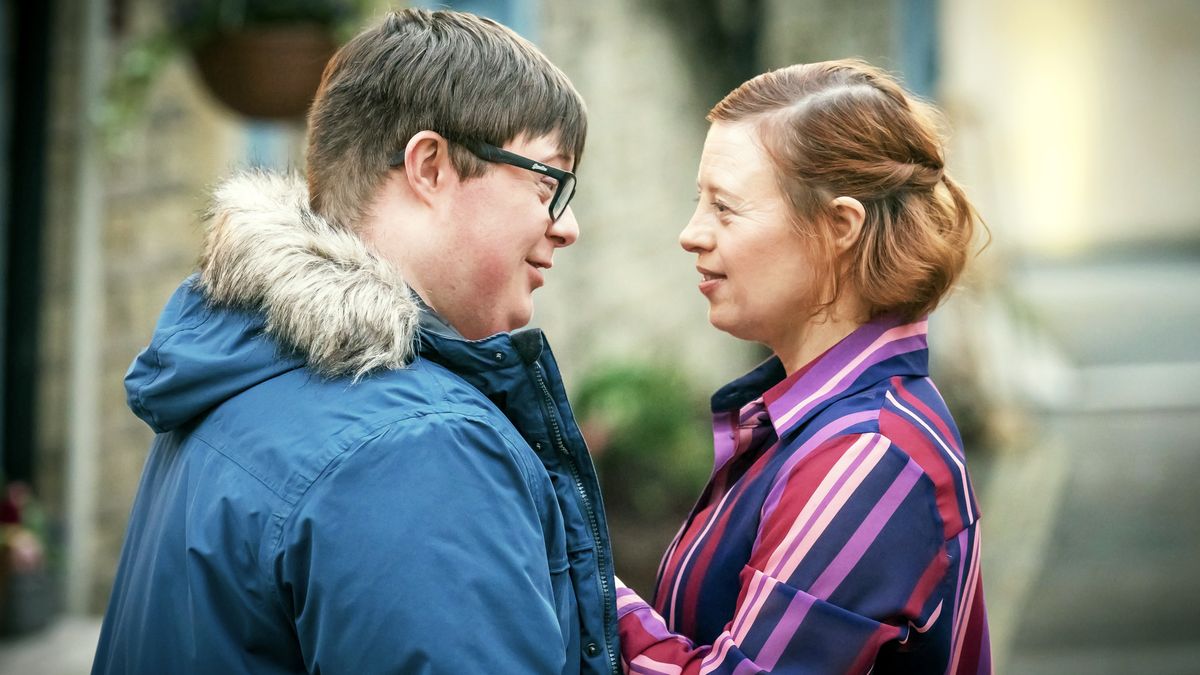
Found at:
<point>322,289</point>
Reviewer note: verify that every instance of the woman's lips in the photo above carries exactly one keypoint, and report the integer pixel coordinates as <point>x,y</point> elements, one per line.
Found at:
<point>709,280</point>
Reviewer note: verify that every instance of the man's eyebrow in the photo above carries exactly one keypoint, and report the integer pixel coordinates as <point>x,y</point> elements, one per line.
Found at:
<point>558,160</point>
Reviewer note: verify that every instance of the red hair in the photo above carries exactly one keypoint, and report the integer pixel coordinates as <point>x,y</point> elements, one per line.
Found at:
<point>846,128</point>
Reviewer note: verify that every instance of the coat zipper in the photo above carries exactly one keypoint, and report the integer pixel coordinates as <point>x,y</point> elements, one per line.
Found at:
<point>548,402</point>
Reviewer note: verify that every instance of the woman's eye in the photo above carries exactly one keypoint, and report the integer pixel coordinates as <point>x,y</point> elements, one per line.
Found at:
<point>716,205</point>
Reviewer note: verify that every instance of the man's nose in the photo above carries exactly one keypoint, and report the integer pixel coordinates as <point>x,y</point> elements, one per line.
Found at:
<point>565,230</point>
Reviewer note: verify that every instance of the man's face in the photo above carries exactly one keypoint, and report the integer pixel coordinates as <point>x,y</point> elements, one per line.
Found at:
<point>503,243</point>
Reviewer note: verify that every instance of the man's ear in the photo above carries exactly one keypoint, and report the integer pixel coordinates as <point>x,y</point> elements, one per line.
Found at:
<point>848,218</point>
<point>427,165</point>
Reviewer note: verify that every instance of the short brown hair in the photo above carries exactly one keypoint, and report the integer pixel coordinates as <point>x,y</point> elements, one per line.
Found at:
<point>458,74</point>
<point>846,128</point>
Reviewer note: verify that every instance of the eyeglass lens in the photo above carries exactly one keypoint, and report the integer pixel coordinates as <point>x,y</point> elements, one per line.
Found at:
<point>563,197</point>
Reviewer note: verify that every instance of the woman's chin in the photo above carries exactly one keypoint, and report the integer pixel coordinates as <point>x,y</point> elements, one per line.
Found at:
<point>738,327</point>
<point>726,324</point>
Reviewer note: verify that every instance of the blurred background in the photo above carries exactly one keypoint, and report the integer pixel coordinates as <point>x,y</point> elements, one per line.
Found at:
<point>1070,355</point>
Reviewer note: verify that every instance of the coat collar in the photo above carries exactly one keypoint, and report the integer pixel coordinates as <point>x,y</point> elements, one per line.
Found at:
<point>876,351</point>
<point>325,293</point>
<point>321,289</point>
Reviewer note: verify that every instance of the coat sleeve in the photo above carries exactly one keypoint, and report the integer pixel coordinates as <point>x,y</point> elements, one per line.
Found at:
<point>423,551</point>
<point>849,557</point>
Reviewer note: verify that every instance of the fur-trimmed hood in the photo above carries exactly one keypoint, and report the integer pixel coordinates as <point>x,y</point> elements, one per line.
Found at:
<point>279,288</point>
<point>321,289</point>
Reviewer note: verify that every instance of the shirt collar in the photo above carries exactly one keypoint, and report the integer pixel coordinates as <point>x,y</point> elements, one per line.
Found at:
<point>882,348</point>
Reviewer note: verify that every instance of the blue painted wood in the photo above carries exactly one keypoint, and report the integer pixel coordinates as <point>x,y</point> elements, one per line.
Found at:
<point>917,48</point>
<point>519,15</point>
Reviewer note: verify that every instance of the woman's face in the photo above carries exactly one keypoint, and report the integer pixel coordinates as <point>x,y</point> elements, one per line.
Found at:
<point>756,270</point>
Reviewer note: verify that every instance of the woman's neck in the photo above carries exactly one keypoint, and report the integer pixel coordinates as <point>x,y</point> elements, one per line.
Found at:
<point>815,336</point>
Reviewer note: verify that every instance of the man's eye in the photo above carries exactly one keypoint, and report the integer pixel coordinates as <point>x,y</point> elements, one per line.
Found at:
<point>720,207</point>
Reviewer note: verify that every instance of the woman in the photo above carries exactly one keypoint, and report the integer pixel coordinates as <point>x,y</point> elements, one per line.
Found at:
<point>839,530</point>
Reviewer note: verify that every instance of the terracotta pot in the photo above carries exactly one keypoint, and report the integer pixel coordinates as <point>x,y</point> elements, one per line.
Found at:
<point>266,71</point>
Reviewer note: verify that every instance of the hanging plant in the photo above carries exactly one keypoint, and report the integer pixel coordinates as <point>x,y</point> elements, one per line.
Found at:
<point>260,58</point>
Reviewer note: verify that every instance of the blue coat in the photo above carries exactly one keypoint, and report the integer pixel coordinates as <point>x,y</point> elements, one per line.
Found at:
<point>442,517</point>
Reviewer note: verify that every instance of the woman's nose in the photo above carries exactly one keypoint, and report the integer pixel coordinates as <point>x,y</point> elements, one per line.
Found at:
<point>696,236</point>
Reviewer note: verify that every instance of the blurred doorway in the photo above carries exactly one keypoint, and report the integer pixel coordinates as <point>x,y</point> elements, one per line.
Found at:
<point>24,54</point>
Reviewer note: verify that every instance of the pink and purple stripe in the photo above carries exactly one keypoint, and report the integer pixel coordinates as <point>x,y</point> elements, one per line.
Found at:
<point>854,478</point>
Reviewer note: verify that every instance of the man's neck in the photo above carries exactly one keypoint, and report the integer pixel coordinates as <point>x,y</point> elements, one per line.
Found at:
<point>431,320</point>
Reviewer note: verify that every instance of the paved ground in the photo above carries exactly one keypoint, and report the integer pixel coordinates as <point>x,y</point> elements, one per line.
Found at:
<point>66,648</point>
<point>1098,537</point>
<point>1114,588</point>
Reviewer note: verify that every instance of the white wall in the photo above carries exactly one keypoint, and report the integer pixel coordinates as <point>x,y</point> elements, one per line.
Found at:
<point>1076,121</point>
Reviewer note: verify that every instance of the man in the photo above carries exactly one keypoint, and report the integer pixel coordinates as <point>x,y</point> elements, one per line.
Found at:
<point>358,467</point>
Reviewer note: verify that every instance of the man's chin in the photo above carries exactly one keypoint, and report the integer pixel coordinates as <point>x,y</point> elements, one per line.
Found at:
<point>516,319</point>
<point>521,320</point>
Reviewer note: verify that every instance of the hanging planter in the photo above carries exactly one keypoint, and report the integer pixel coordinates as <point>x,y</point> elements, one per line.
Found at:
<point>267,71</point>
<point>260,58</point>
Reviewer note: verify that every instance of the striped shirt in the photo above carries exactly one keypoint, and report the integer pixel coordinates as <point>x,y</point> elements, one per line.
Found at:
<point>838,532</point>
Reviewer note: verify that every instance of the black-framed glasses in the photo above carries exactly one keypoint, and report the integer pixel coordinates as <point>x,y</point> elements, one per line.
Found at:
<point>565,180</point>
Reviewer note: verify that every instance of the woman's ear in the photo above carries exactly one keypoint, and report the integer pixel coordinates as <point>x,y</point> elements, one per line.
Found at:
<point>427,166</point>
<point>848,218</point>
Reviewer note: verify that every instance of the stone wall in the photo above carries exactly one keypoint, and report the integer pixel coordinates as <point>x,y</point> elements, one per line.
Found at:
<point>626,290</point>
<point>154,198</point>
<point>804,31</point>
<point>150,200</point>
